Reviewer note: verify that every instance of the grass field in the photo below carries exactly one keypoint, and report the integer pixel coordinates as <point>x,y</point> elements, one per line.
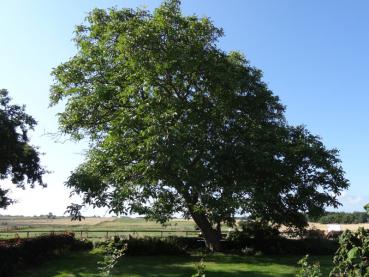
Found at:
<point>11,227</point>
<point>91,223</point>
<point>97,227</point>
<point>217,265</point>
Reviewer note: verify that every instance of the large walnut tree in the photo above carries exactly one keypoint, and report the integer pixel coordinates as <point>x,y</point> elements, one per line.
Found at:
<point>177,125</point>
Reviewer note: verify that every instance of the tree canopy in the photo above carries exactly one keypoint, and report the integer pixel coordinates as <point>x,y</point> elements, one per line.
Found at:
<point>177,125</point>
<point>19,160</point>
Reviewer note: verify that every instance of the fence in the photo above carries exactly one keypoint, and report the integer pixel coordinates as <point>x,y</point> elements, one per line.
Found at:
<point>99,234</point>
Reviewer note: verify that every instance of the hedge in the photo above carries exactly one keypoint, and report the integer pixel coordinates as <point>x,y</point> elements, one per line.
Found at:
<point>284,246</point>
<point>16,253</point>
<point>151,246</point>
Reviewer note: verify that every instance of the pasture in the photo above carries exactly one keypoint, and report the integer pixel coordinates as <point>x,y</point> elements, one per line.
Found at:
<point>102,227</point>
<point>93,227</point>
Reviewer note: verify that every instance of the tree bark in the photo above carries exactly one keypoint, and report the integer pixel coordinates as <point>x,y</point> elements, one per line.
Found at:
<point>212,236</point>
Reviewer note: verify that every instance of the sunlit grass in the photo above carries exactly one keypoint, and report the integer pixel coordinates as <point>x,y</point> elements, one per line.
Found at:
<point>85,265</point>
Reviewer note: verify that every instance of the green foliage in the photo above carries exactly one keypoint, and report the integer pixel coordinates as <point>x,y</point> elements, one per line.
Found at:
<point>200,269</point>
<point>251,235</point>
<point>257,229</point>
<point>313,233</point>
<point>19,160</point>
<point>74,210</point>
<point>255,237</point>
<point>177,125</point>
<point>341,218</point>
<point>366,208</point>
<point>16,253</point>
<point>113,252</point>
<point>352,257</point>
<point>308,269</point>
<point>149,246</point>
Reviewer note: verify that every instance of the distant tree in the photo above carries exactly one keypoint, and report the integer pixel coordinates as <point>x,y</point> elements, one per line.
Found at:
<point>50,215</point>
<point>74,210</point>
<point>176,125</point>
<point>341,218</point>
<point>366,208</point>
<point>19,160</point>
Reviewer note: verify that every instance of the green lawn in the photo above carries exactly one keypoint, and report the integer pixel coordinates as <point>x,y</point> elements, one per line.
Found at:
<point>84,265</point>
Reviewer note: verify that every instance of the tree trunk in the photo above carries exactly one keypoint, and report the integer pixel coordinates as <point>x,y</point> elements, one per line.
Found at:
<point>212,236</point>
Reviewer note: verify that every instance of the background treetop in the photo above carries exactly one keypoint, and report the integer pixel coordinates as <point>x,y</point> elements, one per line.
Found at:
<point>19,160</point>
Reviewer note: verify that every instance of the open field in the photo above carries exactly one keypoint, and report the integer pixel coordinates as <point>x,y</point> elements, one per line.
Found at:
<point>351,227</point>
<point>95,223</point>
<point>93,227</point>
<point>101,227</point>
<point>85,265</point>
<point>35,222</point>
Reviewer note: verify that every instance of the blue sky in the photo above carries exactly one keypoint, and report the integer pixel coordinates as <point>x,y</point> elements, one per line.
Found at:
<point>314,55</point>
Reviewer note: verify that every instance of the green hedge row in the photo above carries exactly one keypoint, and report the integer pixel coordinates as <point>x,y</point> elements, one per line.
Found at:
<point>16,253</point>
<point>151,246</point>
<point>284,246</point>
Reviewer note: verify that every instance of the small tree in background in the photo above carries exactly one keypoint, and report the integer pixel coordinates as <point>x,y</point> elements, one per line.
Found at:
<point>176,125</point>
<point>50,215</point>
<point>74,211</point>
<point>366,208</point>
<point>19,160</point>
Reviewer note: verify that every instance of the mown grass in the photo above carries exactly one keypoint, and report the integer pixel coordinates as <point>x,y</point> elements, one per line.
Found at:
<point>217,265</point>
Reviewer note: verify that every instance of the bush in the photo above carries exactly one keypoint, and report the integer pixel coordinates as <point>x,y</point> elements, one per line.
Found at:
<point>308,269</point>
<point>188,243</point>
<point>113,252</point>
<point>254,229</point>
<point>255,237</point>
<point>149,246</point>
<point>352,257</point>
<point>15,253</point>
<point>282,246</point>
<point>200,269</point>
<point>313,234</point>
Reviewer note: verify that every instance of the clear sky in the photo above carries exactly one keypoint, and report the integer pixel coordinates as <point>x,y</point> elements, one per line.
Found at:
<point>314,55</point>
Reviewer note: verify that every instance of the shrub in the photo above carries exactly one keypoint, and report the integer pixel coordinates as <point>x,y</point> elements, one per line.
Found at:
<point>15,253</point>
<point>200,269</point>
<point>352,256</point>
<point>254,229</point>
<point>187,243</point>
<point>313,234</point>
<point>255,236</point>
<point>248,251</point>
<point>308,269</point>
<point>113,251</point>
<point>282,246</point>
<point>148,246</point>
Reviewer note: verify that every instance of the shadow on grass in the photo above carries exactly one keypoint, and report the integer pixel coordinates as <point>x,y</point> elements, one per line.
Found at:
<point>81,264</point>
<point>85,265</point>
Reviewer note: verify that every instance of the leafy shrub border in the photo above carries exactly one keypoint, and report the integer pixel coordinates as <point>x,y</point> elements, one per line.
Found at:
<point>17,253</point>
